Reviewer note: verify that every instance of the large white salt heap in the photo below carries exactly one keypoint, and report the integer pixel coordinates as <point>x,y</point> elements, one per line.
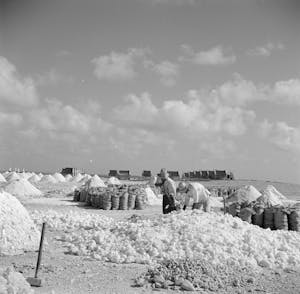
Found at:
<point>215,238</point>
<point>48,179</point>
<point>18,233</point>
<point>94,182</point>
<point>113,181</point>
<point>12,177</point>
<point>22,188</point>
<point>2,179</point>
<point>35,178</point>
<point>59,177</point>
<point>246,194</point>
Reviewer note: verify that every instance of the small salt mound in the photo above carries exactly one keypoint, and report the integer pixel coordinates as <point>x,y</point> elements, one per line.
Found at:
<point>22,188</point>
<point>2,179</point>
<point>12,177</point>
<point>18,233</point>
<point>48,179</point>
<point>77,178</point>
<point>152,199</point>
<point>59,177</point>
<point>13,282</point>
<point>40,175</point>
<point>245,194</point>
<point>87,176</point>
<point>94,182</point>
<point>113,181</point>
<point>35,178</point>
<point>24,175</point>
<point>84,180</point>
<point>271,197</point>
<point>6,173</point>
<point>68,178</point>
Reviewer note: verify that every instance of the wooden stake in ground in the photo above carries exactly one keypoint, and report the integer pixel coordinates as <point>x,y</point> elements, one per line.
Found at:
<point>36,282</point>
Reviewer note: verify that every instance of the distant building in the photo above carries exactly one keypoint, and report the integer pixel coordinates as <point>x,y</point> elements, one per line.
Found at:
<point>70,171</point>
<point>174,175</point>
<point>113,173</point>
<point>221,175</point>
<point>124,175</point>
<point>146,174</point>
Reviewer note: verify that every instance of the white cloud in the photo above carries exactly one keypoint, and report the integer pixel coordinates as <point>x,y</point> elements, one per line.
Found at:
<point>52,77</point>
<point>214,56</point>
<point>118,66</point>
<point>13,88</point>
<point>192,116</point>
<point>266,50</point>
<point>281,134</point>
<point>287,92</point>
<point>13,119</point>
<point>168,71</point>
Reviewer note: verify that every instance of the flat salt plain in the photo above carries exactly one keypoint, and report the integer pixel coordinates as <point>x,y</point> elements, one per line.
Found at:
<point>64,273</point>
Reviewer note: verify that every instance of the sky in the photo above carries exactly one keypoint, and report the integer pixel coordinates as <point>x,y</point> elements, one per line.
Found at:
<point>145,84</point>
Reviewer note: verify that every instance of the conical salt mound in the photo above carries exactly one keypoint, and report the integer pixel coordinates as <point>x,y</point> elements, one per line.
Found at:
<point>59,177</point>
<point>113,181</point>
<point>35,178</point>
<point>25,175</point>
<point>245,194</point>
<point>68,178</point>
<point>22,188</point>
<point>12,177</point>
<point>18,232</point>
<point>48,179</point>
<point>271,197</point>
<point>2,179</point>
<point>94,182</point>
<point>40,175</point>
<point>77,178</point>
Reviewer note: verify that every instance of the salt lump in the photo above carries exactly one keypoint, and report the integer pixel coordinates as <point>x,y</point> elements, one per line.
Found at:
<point>212,237</point>
<point>22,188</point>
<point>246,194</point>
<point>13,282</point>
<point>48,179</point>
<point>94,182</point>
<point>113,181</point>
<point>17,230</point>
<point>59,177</point>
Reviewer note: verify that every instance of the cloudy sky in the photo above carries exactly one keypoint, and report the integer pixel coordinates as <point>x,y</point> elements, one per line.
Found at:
<point>145,84</point>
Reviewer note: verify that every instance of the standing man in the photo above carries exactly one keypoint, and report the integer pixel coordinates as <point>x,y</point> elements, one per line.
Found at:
<point>198,193</point>
<point>168,189</point>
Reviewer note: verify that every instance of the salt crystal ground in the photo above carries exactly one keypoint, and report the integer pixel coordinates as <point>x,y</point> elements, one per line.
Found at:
<point>68,273</point>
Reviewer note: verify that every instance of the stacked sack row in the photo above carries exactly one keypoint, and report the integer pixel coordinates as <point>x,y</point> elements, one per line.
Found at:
<point>268,209</point>
<point>120,197</point>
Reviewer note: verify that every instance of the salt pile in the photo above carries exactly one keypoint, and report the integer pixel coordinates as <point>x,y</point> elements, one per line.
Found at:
<point>12,282</point>
<point>113,181</point>
<point>152,199</point>
<point>22,188</point>
<point>84,179</point>
<point>12,177</point>
<point>40,175</point>
<point>68,178</point>
<point>215,238</point>
<point>246,194</point>
<point>77,178</point>
<point>48,179</point>
<point>94,182</point>
<point>271,197</point>
<point>35,178</point>
<point>59,177</point>
<point>2,179</point>
<point>17,230</point>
